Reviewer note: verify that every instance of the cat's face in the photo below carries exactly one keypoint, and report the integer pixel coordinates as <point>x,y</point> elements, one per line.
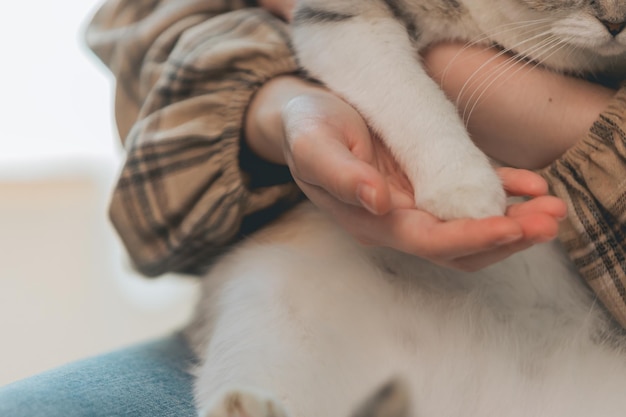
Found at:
<point>566,34</point>
<point>591,24</point>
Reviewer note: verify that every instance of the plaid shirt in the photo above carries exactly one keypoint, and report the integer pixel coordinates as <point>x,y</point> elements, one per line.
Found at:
<point>591,178</point>
<point>186,70</point>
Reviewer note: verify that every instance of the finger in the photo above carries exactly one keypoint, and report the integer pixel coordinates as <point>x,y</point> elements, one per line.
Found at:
<point>281,8</point>
<point>549,205</point>
<point>400,199</point>
<point>287,7</point>
<point>352,218</point>
<point>539,227</point>
<point>420,233</point>
<point>466,244</point>
<point>329,164</point>
<point>521,182</point>
<point>538,219</point>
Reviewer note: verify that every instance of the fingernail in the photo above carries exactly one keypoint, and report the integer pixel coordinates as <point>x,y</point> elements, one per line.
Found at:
<point>367,195</point>
<point>509,239</point>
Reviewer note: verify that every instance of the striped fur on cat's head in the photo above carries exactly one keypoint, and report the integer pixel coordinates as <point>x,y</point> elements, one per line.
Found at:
<point>576,35</point>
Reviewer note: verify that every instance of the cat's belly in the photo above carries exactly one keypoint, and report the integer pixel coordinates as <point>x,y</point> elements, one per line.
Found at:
<point>321,323</point>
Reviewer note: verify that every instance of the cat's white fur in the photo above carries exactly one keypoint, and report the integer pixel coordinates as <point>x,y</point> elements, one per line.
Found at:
<point>303,314</point>
<point>302,321</point>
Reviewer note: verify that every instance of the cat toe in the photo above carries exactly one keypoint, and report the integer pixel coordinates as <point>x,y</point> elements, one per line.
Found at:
<point>243,403</point>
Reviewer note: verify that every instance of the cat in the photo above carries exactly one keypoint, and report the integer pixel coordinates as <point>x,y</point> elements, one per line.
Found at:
<point>303,321</point>
<point>367,52</point>
<point>300,320</point>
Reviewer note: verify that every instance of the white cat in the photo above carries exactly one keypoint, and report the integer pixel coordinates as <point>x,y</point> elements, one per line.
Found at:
<point>302,321</point>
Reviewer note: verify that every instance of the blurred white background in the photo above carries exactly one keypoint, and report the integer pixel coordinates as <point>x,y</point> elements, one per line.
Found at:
<point>66,291</point>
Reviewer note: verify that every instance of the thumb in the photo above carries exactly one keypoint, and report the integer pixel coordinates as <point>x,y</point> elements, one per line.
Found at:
<point>329,164</point>
<point>281,8</point>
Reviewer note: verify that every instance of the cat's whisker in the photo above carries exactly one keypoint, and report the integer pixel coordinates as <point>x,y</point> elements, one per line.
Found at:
<point>497,32</point>
<point>505,51</point>
<point>588,60</point>
<point>517,27</point>
<point>551,46</point>
<point>534,51</point>
<point>474,79</point>
<point>555,49</point>
<point>482,40</point>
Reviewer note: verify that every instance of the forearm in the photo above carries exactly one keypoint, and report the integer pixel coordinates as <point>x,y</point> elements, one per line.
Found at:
<point>528,116</point>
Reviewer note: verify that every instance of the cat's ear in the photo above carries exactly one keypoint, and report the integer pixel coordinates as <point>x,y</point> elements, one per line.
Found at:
<point>392,400</point>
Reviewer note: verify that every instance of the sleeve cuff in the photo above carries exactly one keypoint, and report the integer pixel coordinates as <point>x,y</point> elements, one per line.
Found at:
<point>591,179</point>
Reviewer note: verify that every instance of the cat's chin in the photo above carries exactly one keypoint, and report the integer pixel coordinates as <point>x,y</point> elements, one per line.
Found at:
<point>611,49</point>
<point>604,47</point>
<point>608,58</point>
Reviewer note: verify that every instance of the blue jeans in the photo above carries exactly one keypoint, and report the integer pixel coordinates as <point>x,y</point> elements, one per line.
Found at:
<point>147,380</point>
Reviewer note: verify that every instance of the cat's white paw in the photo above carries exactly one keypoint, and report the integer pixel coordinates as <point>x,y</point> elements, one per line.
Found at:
<point>478,193</point>
<point>243,403</point>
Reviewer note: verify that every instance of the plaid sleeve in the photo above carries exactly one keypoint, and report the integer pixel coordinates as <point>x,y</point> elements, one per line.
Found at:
<point>186,71</point>
<point>591,178</point>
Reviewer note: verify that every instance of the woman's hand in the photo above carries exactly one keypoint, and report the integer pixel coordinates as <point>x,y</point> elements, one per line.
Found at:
<point>351,176</point>
<point>281,8</point>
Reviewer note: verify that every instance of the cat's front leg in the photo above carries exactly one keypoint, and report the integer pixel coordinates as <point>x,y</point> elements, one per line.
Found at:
<point>370,60</point>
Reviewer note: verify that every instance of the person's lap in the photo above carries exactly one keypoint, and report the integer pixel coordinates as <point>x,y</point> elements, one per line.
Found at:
<point>151,379</point>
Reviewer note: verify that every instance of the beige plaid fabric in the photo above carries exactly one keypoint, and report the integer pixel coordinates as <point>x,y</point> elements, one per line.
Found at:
<point>591,178</point>
<point>185,72</point>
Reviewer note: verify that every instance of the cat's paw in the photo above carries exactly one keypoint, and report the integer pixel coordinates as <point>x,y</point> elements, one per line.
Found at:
<point>477,194</point>
<point>243,403</point>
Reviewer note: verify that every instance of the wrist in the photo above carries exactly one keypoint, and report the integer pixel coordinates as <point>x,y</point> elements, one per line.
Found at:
<point>264,131</point>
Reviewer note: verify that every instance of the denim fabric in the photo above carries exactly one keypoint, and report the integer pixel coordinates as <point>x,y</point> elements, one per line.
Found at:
<point>147,380</point>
